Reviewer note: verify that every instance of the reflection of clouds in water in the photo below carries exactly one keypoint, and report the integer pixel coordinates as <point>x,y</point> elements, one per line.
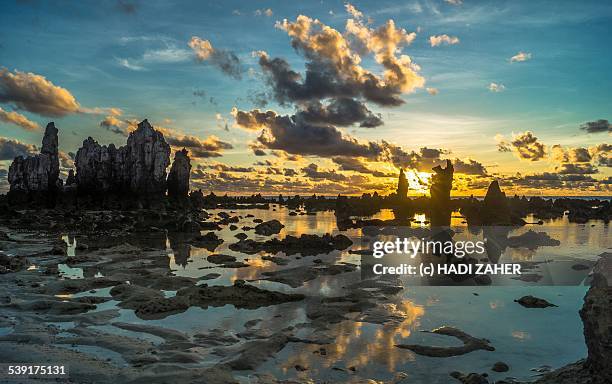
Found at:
<point>520,335</point>
<point>519,254</point>
<point>358,344</point>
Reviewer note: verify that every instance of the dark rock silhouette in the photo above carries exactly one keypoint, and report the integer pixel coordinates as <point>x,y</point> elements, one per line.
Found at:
<point>495,208</point>
<point>38,174</point>
<point>138,168</point>
<point>442,183</point>
<point>178,178</point>
<point>402,186</point>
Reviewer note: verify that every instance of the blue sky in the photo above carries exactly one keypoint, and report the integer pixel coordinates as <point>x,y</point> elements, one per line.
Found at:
<point>134,55</point>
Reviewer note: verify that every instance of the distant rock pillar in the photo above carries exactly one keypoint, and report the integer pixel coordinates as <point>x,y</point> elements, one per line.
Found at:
<point>441,186</point>
<point>39,174</point>
<point>402,186</point>
<point>178,178</point>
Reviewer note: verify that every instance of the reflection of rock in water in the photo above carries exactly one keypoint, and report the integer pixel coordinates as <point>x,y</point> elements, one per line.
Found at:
<point>180,248</point>
<point>442,183</point>
<point>497,241</point>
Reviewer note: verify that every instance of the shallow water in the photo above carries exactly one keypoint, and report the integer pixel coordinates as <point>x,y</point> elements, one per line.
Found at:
<point>523,338</point>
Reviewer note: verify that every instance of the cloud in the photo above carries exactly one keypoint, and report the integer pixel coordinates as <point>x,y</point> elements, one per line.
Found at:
<point>598,155</point>
<point>342,112</point>
<point>438,40</point>
<point>495,87</point>
<point>293,134</point>
<point>312,171</point>
<point>469,167</point>
<point>34,93</point>
<point>227,168</point>
<point>18,119</point>
<point>126,63</point>
<point>525,145</point>
<point>258,149</point>
<point>226,61</point>
<point>9,149</point>
<point>66,160</point>
<point>433,91</point>
<point>356,165</point>
<point>576,169</point>
<point>353,11</point>
<point>454,2</point>
<point>602,154</point>
<point>598,126</point>
<point>520,57</point>
<point>212,146</point>
<point>287,156</point>
<point>264,12</point>
<point>332,67</point>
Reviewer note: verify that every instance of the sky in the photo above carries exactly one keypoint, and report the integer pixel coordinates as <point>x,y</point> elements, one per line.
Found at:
<point>322,97</point>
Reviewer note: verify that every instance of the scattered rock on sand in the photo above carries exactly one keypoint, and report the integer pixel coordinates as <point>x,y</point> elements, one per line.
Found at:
<point>209,241</point>
<point>306,245</point>
<point>500,366</point>
<point>268,228</point>
<point>532,240</point>
<point>470,344</point>
<point>470,378</point>
<point>220,259</point>
<point>533,302</point>
<point>241,236</point>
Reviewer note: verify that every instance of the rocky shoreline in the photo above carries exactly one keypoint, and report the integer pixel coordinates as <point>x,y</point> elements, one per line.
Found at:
<point>125,209</point>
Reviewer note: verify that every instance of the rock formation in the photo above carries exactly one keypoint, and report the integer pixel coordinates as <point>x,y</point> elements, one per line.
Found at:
<point>178,178</point>
<point>138,168</point>
<point>402,186</point>
<point>596,315</point>
<point>39,173</point>
<point>441,185</point>
<point>495,210</point>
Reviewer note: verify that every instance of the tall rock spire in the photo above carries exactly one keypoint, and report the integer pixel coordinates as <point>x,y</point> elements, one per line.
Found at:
<point>38,173</point>
<point>441,186</point>
<point>178,178</point>
<point>402,185</point>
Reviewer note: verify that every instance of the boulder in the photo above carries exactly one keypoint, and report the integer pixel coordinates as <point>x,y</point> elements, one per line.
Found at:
<point>268,228</point>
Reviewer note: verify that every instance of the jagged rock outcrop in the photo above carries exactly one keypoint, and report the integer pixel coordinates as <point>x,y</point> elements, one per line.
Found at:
<point>441,185</point>
<point>39,173</point>
<point>596,315</point>
<point>138,168</point>
<point>178,178</point>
